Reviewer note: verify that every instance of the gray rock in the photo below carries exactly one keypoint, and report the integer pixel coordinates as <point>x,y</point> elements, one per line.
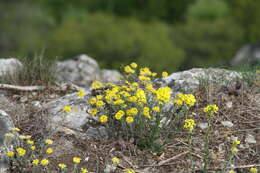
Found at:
<point>81,71</point>
<point>250,139</point>
<point>203,125</point>
<point>97,133</point>
<point>249,54</point>
<point>9,65</point>
<point>110,76</point>
<point>228,124</point>
<point>189,81</point>
<point>6,125</point>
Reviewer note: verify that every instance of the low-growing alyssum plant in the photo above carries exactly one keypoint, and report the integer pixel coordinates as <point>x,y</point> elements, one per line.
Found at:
<point>134,108</point>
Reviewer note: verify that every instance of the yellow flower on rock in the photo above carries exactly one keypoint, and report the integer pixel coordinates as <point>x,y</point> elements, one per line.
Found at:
<point>178,101</point>
<point>93,101</point>
<point>25,137</point>
<point>96,85</point>
<point>83,170</point>
<point>188,99</point>
<point>44,162</point>
<point>165,74</point>
<point>234,145</point>
<point>253,170</point>
<point>49,141</point>
<point>10,154</point>
<point>132,99</point>
<point>35,162</point>
<point>103,118</point>
<point>115,160</point>
<point>163,95</point>
<point>81,93</point>
<point>49,150</point>
<point>129,119</point>
<point>119,114</point>
<point>189,124</point>
<point>62,165</point>
<point>76,159</point>
<point>67,109</point>
<point>21,151</point>
<point>144,78</point>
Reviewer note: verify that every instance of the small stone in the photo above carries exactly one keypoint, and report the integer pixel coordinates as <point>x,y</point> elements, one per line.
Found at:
<point>228,124</point>
<point>203,125</point>
<point>250,139</point>
<point>229,105</point>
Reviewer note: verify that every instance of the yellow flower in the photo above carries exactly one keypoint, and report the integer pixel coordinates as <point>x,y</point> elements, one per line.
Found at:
<point>231,171</point>
<point>10,154</point>
<point>103,118</point>
<point>93,111</point>
<point>211,109</point>
<point>145,71</point>
<point>83,170</point>
<point>146,112</point>
<point>253,170</point>
<point>188,99</point>
<point>129,119</point>
<point>129,171</point>
<point>67,109</point>
<point>62,165</point>
<point>99,97</point>
<point>93,101</point>
<point>35,162</point>
<point>234,149</point>
<point>16,129</point>
<point>9,135</point>
<point>100,103</point>
<point>76,159</point>
<point>150,88</point>
<point>141,97</point>
<point>21,151</point>
<point>119,102</point>
<point>44,162</point>
<point>49,150</point>
<point>156,109</point>
<point>49,141</point>
<point>30,142</point>
<point>133,65</point>
<point>33,147</point>
<point>115,160</point>
<point>144,78</point>
<point>119,114</point>
<point>81,93</point>
<point>25,137</point>
<point>163,95</point>
<point>96,85</point>
<point>132,112</point>
<point>132,99</point>
<point>189,124</point>
<point>164,74</point>
<point>128,69</point>
<point>178,101</point>
<point>235,143</point>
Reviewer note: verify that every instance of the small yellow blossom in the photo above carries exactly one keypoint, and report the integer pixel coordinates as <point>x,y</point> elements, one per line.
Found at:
<point>178,101</point>
<point>99,97</point>
<point>67,109</point>
<point>189,124</point>
<point>96,85</point>
<point>10,153</point>
<point>253,170</point>
<point>21,151</point>
<point>234,149</point>
<point>49,141</point>
<point>33,147</point>
<point>144,78</point>
<point>49,150</point>
<point>132,99</point>
<point>163,95</point>
<point>132,112</point>
<point>76,159</point>
<point>30,142</point>
<point>133,65</point>
<point>62,165</point>
<point>119,114</point>
<point>83,170</point>
<point>44,162</point>
<point>25,137</point>
<point>231,171</point>
<point>9,135</point>
<point>128,69</point>
<point>93,111</point>
<point>16,129</point>
<point>165,74</point>
<point>103,118</point>
<point>129,119</point>
<point>145,71</point>
<point>100,103</point>
<point>35,162</point>
<point>115,160</point>
<point>146,112</point>
<point>129,171</point>
<point>211,109</point>
<point>81,93</point>
<point>156,109</point>
<point>93,101</point>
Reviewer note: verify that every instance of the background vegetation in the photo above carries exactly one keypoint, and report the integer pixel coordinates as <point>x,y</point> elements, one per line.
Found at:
<point>166,35</point>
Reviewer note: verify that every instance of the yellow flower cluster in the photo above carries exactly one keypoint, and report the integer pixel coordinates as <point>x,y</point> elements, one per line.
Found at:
<point>76,159</point>
<point>115,160</point>
<point>253,170</point>
<point>234,145</point>
<point>211,109</point>
<point>189,124</point>
<point>163,95</point>
<point>119,114</point>
<point>129,171</point>
<point>21,151</point>
<point>187,99</point>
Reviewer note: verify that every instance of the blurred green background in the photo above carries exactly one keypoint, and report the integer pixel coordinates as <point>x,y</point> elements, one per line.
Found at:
<point>163,34</point>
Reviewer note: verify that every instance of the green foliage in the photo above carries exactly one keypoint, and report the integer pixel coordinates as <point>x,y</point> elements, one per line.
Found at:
<point>114,41</point>
<point>207,10</point>
<point>207,43</point>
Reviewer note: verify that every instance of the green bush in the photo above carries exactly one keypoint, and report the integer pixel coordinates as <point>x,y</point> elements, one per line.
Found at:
<point>207,43</point>
<point>114,41</point>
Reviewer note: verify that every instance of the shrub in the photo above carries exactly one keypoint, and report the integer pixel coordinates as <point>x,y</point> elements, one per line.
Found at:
<point>114,41</point>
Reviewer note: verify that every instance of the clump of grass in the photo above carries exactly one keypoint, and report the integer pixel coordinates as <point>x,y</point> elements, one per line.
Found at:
<point>35,70</point>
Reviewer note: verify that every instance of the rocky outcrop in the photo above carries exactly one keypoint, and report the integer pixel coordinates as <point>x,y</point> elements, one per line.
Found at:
<point>83,70</point>
<point>189,81</point>
<point>8,66</point>
<point>249,54</point>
